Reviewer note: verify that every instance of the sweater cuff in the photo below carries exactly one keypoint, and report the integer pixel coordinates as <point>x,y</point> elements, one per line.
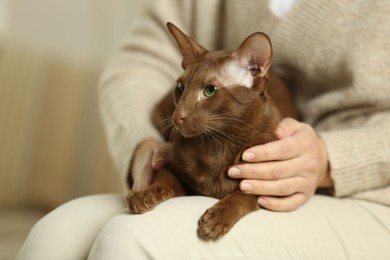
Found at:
<point>355,160</point>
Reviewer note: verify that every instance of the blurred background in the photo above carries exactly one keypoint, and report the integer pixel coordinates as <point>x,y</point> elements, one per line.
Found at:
<point>52,145</point>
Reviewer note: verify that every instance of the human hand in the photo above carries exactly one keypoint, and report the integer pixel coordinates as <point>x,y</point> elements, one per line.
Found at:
<point>285,173</point>
<point>149,156</point>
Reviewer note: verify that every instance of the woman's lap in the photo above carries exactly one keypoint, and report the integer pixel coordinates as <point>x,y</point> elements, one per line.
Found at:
<point>69,231</point>
<point>323,228</point>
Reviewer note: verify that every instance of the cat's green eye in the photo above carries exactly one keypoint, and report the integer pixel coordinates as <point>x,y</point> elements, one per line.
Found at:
<point>180,87</point>
<point>210,90</point>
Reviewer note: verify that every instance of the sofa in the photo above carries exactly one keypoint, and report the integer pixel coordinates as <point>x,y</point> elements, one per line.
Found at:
<point>52,144</point>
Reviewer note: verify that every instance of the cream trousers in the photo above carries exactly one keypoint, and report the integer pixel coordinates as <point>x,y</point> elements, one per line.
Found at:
<point>99,227</point>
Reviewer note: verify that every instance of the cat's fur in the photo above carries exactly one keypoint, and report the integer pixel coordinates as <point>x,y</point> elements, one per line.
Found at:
<point>209,134</point>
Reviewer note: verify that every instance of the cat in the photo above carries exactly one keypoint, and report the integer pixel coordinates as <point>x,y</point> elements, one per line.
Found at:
<point>223,103</point>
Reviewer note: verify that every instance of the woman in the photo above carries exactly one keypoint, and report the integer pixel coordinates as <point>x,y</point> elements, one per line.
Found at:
<point>334,56</point>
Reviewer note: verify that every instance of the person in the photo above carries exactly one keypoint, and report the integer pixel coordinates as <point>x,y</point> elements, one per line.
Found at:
<point>334,55</point>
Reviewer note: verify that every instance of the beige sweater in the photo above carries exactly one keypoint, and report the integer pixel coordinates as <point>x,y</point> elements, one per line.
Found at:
<point>334,54</point>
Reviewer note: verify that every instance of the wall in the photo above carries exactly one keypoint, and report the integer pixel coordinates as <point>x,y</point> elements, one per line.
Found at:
<point>3,16</point>
<point>52,142</point>
<point>86,29</point>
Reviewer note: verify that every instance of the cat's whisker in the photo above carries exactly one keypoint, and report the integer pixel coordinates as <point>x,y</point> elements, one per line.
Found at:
<point>210,137</point>
<point>213,137</point>
<point>173,134</point>
<point>231,121</point>
<point>235,124</point>
<point>208,131</point>
<point>167,128</point>
<point>224,136</point>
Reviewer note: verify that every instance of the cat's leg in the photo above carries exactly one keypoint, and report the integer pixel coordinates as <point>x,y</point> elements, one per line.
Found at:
<point>165,186</point>
<point>221,217</point>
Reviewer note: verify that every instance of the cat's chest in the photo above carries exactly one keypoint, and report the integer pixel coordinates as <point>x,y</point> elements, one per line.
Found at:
<point>202,167</point>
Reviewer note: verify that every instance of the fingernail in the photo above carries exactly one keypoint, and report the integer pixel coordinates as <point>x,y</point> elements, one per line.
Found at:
<point>158,163</point>
<point>246,186</point>
<point>279,132</point>
<point>248,156</point>
<point>234,172</point>
<point>262,202</point>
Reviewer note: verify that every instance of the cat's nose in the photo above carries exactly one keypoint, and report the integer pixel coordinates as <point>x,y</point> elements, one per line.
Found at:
<point>180,118</point>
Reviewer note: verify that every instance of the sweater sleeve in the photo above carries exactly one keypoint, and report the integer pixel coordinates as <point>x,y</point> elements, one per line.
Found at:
<point>360,157</point>
<point>359,153</point>
<point>142,71</point>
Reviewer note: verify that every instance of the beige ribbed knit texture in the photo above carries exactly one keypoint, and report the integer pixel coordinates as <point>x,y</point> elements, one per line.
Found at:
<point>334,55</point>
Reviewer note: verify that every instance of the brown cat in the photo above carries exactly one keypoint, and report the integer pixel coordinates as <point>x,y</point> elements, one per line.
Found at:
<point>224,102</point>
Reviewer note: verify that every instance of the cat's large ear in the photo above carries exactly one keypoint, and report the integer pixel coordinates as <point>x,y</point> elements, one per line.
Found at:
<point>188,46</point>
<point>255,54</point>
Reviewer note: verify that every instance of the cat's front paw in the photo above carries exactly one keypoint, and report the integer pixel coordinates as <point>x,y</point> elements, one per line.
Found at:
<point>142,201</point>
<point>214,223</point>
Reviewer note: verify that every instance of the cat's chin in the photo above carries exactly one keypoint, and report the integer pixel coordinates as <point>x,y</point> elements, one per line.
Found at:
<point>188,133</point>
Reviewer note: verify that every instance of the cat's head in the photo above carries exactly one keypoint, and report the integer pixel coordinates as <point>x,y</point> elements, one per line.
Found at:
<point>220,90</point>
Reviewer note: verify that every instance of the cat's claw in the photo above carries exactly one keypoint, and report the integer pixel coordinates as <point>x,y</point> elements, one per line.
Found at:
<point>212,225</point>
<point>140,202</point>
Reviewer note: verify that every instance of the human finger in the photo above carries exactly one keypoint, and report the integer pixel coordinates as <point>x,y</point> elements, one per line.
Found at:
<point>144,175</point>
<point>160,156</point>
<point>287,127</point>
<point>283,149</point>
<point>287,203</point>
<point>273,170</point>
<point>284,187</point>
<point>141,170</point>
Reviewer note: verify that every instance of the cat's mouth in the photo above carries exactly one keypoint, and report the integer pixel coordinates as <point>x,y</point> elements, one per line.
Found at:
<point>188,130</point>
<point>187,126</point>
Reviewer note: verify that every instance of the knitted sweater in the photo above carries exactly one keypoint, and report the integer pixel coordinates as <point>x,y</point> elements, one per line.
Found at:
<point>334,55</point>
